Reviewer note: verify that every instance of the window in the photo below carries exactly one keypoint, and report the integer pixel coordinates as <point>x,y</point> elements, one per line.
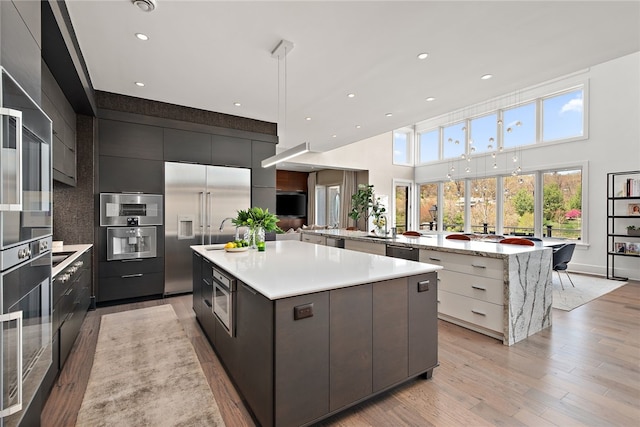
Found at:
<point>429,146</point>
<point>483,205</point>
<point>402,208</point>
<point>327,205</point>
<point>483,137</point>
<point>519,126</point>
<point>428,206</point>
<point>563,116</point>
<point>453,141</point>
<point>518,205</point>
<point>454,202</point>
<point>402,147</point>
<point>562,204</point>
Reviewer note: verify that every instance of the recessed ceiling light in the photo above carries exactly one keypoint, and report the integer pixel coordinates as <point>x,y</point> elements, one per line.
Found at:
<point>142,36</point>
<point>307,118</point>
<point>351,95</point>
<point>388,114</point>
<point>423,55</point>
<point>486,76</point>
<point>237,104</point>
<point>358,126</point>
<point>334,136</point>
<point>140,84</point>
<point>431,98</point>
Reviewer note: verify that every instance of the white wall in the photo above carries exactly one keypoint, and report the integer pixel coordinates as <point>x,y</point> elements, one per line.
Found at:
<point>613,144</point>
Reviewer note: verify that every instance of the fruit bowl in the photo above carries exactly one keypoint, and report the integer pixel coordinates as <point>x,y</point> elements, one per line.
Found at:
<point>242,249</point>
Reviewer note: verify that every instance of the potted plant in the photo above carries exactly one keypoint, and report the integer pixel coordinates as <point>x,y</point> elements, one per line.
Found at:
<point>632,230</point>
<point>258,221</point>
<point>364,204</point>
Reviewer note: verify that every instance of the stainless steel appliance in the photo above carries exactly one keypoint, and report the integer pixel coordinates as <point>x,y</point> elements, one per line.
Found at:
<point>130,209</point>
<point>199,199</point>
<point>224,290</point>
<point>25,252</point>
<point>131,243</point>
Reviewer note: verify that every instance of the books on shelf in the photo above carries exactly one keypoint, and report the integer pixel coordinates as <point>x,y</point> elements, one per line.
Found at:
<point>631,187</point>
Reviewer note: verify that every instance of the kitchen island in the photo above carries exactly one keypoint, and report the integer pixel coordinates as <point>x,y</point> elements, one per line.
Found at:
<point>312,330</point>
<point>503,291</point>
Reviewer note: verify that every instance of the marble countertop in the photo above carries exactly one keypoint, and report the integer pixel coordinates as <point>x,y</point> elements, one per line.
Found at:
<point>76,251</point>
<point>488,247</point>
<point>291,268</point>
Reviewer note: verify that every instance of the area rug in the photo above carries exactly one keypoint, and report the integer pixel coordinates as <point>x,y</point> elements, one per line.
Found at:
<point>587,289</point>
<point>146,373</point>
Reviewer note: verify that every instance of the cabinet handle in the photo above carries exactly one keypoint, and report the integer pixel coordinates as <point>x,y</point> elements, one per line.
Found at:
<point>206,301</point>
<point>478,313</point>
<point>480,288</point>
<point>66,294</point>
<point>478,266</point>
<point>434,258</point>
<point>129,276</point>
<point>423,286</point>
<point>131,260</point>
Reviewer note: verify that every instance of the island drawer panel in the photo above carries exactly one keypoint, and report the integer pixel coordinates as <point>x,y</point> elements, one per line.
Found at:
<point>114,288</point>
<point>318,240</point>
<point>477,287</point>
<point>481,313</point>
<point>370,248</point>
<point>477,265</point>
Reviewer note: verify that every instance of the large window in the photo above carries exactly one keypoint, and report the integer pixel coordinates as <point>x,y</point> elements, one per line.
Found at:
<point>483,205</point>
<point>402,147</point>
<point>518,205</point>
<point>454,202</point>
<point>454,141</point>
<point>428,206</point>
<point>429,146</point>
<point>563,116</point>
<point>483,136</point>
<point>402,196</point>
<point>519,126</point>
<point>562,204</point>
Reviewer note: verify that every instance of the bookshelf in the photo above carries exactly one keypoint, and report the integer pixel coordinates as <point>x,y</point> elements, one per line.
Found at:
<point>623,212</point>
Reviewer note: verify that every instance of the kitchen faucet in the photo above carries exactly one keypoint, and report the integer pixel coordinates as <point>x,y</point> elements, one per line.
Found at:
<point>222,226</point>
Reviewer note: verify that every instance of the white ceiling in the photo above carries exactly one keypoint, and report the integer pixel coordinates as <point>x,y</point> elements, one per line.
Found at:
<point>211,54</point>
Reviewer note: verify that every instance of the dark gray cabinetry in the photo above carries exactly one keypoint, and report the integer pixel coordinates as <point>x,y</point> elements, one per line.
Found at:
<point>262,177</point>
<point>265,197</point>
<point>350,365</point>
<point>231,151</point>
<point>186,146</point>
<point>63,119</point>
<point>130,279</point>
<point>302,356</point>
<point>207,318</point>
<point>126,175</point>
<point>197,284</point>
<point>423,326</point>
<point>133,140</point>
<point>389,361</point>
<point>20,43</point>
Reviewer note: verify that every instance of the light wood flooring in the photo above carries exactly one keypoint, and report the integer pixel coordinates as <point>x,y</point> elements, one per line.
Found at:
<point>584,370</point>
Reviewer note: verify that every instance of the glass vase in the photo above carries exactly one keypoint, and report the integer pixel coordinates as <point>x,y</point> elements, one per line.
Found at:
<point>255,237</point>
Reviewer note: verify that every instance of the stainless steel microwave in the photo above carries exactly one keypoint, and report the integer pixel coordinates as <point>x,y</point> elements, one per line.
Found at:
<point>130,209</point>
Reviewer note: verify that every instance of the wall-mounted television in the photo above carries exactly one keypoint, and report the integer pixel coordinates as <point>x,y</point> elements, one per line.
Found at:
<point>291,204</point>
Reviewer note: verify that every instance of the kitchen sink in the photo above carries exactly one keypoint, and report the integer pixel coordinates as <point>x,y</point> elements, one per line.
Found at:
<point>59,257</point>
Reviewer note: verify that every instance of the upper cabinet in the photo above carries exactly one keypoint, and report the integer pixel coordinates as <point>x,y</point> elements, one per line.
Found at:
<point>187,146</point>
<point>132,140</point>
<point>63,119</point>
<point>231,151</point>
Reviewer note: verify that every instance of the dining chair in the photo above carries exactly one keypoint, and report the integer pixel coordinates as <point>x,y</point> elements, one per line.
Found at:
<point>457,237</point>
<point>411,234</point>
<point>561,257</point>
<point>517,241</point>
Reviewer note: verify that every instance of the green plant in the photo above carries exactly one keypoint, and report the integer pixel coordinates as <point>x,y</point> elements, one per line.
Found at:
<point>257,217</point>
<point>364,204</point>
<point>632,227</point>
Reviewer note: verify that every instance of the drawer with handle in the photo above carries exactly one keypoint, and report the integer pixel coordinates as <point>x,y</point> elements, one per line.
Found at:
<point>470,264</point>
<point>478,287</point>
<point>470,310</point>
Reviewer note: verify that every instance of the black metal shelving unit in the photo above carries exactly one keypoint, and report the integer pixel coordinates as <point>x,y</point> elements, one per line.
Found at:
<point>617,216</point>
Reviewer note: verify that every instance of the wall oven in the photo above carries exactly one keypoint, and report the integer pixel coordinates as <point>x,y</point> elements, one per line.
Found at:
<point>224,299</point>
<point>25,252</point>
<point>130,209</point>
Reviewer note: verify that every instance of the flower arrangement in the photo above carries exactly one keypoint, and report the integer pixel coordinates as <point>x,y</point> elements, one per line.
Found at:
<point>257,217</point>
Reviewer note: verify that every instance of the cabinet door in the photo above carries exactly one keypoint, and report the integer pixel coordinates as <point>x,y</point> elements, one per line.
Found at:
<point>120,174</point>
<point>423,323</point>
<point>370,248</point>
<point>230,151</point>
<point>302,360</point>
<point>390,303</point>
<point>197,283</point>
<point>262,177</point>
<point>350,345</point>
<point>115,288</point>
<point>186,146</point>
<point>265,197</point>
<point>123,139</point>
<point>254,342</point>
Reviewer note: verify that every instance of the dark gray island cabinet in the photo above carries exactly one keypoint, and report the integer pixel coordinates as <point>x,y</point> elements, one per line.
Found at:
<point>299,354</point>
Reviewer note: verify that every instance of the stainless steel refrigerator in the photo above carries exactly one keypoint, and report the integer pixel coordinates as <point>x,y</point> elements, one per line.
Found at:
<point>198,199</point>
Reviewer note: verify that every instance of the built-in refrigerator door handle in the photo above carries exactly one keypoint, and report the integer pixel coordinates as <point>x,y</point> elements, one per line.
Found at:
<point>9,201</point>
<point>201,219</point>
<point>8,317</point>
<point>208,215</point>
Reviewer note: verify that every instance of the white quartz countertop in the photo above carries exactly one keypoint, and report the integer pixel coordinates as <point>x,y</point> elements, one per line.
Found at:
<point>290,268</point>
<point>488,247</point>
<point>75,250</point>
